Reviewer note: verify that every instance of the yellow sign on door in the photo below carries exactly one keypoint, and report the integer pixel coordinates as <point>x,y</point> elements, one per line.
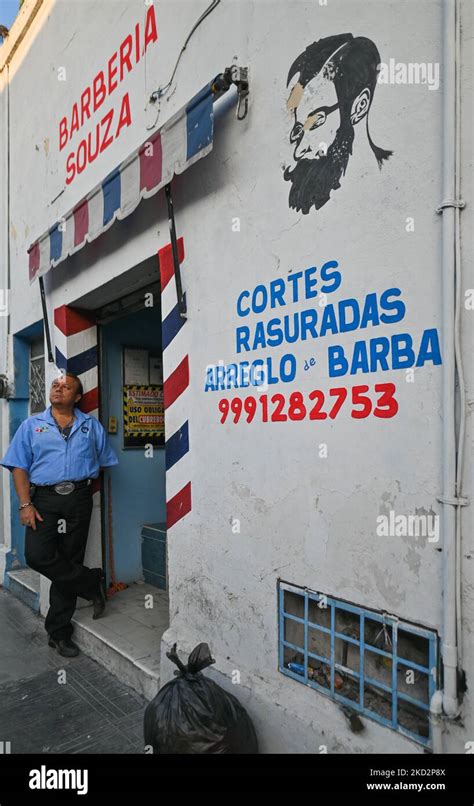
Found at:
<point>143,415</point>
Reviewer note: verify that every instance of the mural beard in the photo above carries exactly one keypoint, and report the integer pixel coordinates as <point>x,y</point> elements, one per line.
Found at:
<point>313,179</point>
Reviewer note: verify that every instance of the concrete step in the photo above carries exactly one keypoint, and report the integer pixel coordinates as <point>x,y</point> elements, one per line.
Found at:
<point>24,583</point>
<point>127,639</point>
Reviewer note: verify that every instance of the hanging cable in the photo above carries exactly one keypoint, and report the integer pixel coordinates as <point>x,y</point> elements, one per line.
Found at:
<point>158,93</point>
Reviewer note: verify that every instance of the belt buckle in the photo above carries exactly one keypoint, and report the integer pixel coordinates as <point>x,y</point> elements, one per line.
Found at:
<point>64,487</point>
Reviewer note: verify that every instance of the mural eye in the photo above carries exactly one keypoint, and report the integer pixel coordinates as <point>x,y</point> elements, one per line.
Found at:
<point>315,120</point>
<point>296,132</point>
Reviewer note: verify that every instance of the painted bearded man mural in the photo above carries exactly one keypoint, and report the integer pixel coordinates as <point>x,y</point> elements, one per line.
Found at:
<point>333,94</point>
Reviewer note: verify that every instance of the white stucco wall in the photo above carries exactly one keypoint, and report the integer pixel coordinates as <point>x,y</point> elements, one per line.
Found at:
<point>305,518</point>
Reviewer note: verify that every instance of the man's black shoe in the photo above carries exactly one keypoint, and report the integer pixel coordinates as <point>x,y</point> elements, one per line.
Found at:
<point>65,647</point>
<point>99,601</point>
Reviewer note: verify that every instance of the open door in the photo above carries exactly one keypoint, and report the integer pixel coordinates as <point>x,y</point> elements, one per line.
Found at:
<point>131,403</point>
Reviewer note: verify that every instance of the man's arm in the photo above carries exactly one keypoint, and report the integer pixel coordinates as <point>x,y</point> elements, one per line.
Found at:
<point>18,459</point>
<point>106,456</point>
<point>21,480</point>
<point>28,515</point>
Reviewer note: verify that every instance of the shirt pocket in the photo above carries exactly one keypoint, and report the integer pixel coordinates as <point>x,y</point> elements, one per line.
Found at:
<point>44,442</point>
<point>85,444</point>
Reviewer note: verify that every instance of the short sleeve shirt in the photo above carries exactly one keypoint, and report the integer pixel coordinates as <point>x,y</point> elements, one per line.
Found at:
<point>39,448</point>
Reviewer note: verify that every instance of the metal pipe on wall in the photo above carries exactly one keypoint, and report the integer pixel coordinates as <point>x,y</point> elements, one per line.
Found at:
<point>449,638</point>
<point>5,344</point>
<point>457,345</point>
<point>436,721</point>
<point>5,207</point>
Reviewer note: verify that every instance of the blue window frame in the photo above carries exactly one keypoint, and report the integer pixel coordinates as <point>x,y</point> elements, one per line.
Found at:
<point>371,662</point>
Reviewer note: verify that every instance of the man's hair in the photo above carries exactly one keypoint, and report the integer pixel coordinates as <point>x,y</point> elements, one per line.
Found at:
<point>80,388</point>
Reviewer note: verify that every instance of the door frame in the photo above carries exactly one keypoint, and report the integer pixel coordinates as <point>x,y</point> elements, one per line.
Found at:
<point>127,304</point>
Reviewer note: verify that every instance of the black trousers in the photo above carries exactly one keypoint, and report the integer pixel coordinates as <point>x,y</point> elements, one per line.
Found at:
<point>56,549</point>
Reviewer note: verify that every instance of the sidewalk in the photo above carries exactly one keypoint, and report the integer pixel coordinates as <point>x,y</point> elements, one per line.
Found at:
<point>51,704</point>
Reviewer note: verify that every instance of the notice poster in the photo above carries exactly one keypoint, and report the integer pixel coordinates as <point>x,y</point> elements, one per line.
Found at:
<point>135,366</point>
<point>156,369</point>
<point>143,416</point>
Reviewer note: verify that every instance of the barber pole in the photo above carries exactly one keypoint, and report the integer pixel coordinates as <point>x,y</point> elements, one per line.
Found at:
<point>176,390</point>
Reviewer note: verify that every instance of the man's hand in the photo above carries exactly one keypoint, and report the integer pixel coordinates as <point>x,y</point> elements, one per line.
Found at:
<point>29,515</point>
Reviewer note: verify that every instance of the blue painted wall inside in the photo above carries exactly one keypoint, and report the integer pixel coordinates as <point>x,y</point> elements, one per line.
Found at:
<point>138,483</point>
<point>18,411</point>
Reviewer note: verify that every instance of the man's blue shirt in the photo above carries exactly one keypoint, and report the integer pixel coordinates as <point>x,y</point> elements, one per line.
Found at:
<point>39,448</point>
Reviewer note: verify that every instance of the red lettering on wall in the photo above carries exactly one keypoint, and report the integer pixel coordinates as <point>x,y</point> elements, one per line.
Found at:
<point>112,73</point>
<point>93,155</point>
<point>99,90</point>
<point>151,34</point>
<point>108,122</point>
<point>63,134</point>
<point>103,84</point>
<point>71,168</point>
<point>137,42</point>
<point>74,120</point>
<point>81,156</point>
<point>125,51</point>
<point>85,104</point>
<point>125,117</point>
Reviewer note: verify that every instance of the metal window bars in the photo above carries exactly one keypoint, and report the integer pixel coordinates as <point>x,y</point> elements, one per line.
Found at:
<point>37,384</point>
<point>337,680</point>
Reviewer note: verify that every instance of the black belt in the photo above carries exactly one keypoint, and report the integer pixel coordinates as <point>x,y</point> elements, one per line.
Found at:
<point>63,487</point>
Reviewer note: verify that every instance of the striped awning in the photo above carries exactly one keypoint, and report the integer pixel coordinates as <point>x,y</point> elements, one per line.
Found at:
<point>181,141</point>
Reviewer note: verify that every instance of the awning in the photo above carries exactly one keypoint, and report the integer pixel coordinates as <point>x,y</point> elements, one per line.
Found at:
<point>181,141</point>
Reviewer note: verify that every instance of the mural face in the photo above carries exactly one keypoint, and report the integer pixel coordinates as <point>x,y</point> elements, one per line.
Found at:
<point>333,93</point>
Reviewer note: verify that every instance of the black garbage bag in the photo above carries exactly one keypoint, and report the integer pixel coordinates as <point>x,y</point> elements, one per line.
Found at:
<point>192,714</point>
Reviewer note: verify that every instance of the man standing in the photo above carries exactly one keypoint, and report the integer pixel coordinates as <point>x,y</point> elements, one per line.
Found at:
<point>53,458</point>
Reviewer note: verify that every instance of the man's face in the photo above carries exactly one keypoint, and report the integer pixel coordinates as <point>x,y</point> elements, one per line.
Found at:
<point>321,144</point>
<point>64,391</point>
<point>316,116</point>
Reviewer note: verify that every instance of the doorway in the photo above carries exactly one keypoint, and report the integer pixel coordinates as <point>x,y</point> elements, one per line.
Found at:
<point>131,410</point>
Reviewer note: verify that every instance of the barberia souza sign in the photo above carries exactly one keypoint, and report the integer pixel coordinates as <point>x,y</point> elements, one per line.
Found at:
<point>94,101</point>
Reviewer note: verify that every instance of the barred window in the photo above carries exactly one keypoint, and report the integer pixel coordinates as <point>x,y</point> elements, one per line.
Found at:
<point>37,376</point>
<point>370,662</point>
